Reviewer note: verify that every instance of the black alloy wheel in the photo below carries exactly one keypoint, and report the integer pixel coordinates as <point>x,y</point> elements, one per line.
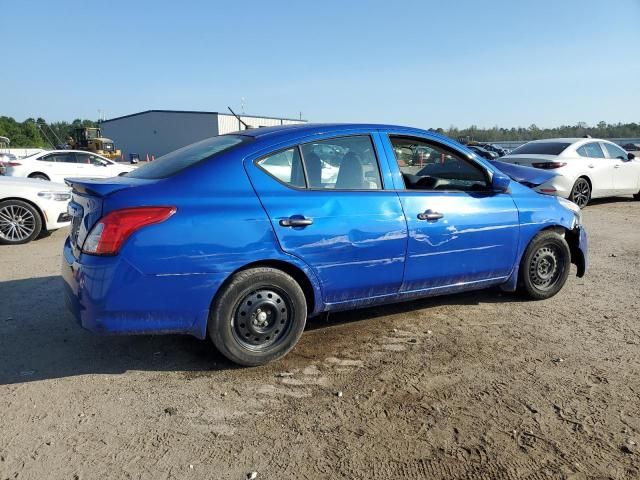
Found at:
<point>581,192</point>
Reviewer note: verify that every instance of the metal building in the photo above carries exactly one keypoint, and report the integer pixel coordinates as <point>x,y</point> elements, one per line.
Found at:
<point>156,132</point>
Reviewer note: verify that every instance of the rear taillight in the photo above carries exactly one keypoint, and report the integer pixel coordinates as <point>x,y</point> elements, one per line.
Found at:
<point>110,233</point>
<point>13,164</point>
<point>548,165</point>
<point>549,190</point>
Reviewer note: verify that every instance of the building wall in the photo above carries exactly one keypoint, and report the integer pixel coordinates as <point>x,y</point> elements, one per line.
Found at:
<point>157,133</point>
<point>228,123</point>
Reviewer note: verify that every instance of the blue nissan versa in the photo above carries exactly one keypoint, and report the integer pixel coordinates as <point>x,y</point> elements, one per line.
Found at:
<point>243,236</point>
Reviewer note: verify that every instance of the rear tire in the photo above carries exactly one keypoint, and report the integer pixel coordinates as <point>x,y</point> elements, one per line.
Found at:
<point>258,317</point>
<point>39,176</point>
<point>581,192</point>
<point>545,266</point>
<point>20,222</point>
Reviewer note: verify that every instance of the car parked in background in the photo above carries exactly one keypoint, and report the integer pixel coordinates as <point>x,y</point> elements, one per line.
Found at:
<point>493,148</point>
<point>30,207</point>
<point>213,239</point>
<point>57,165</point>
<point>631,147</point>
<point>587,168</point>
<point>483,152</point>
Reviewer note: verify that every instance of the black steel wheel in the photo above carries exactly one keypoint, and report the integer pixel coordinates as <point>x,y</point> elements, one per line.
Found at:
<point>581,192</point>
<point>20,222</point>
<point>545,265</point>
<point>262,318</point>
<point>258,316</point>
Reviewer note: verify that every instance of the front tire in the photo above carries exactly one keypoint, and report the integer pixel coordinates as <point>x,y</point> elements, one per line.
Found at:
<point>545,266</point>
<point>581,192</point>
<point>20,222</point>
<point>258,317</point>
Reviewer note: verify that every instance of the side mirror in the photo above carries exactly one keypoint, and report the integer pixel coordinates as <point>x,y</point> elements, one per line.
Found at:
<point>500,183</point>
<point>630,156</point>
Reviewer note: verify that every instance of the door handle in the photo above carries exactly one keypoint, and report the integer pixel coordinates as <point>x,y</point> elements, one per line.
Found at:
<point>430,216</point>
<point>616,165</point>
<point>295,221</point>
<point>590,165</point>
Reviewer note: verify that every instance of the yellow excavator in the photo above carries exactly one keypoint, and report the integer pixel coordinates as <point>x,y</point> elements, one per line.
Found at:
<point>91,140</point>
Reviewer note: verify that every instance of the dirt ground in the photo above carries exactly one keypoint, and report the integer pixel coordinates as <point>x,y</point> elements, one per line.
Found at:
<point>479,385</point>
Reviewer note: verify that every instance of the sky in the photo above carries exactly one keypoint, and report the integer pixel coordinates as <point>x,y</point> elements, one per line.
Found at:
<point>421,63</point>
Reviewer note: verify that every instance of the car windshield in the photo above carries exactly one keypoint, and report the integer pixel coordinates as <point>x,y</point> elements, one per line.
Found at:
<point>185,157</point>
<point>541,148</point>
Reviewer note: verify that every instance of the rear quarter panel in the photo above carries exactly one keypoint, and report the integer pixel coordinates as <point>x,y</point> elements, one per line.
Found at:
<point>219,226</point>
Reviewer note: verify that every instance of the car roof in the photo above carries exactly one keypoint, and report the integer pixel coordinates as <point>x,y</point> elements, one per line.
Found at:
<point>304,129</point>
<point>569,140</point>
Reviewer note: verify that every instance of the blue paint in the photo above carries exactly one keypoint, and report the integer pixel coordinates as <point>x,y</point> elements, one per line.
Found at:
<point>363,248</point>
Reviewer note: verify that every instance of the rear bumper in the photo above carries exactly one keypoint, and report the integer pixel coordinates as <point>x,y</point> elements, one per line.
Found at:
<point>559,186</point>
<point>109,295</point>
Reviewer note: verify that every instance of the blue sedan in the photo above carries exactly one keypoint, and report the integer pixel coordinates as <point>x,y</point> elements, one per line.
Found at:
<point>241,237</point>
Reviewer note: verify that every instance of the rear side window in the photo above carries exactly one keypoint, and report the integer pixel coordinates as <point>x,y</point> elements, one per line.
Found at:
<point>59,158</point>
<point>591,150</point>
<point>185,157</point>
<point>541,148</point>
<point>614,151</point>
<point>285,166</point>
<point>343,163</point>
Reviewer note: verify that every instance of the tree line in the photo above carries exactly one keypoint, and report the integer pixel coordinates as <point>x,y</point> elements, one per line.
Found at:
<point>32,133</point>
<point>37,133</point>
<point>533,132</point>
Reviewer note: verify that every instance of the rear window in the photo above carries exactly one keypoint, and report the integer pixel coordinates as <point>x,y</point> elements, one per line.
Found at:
<point>185,157</point>
<point>541,148</point>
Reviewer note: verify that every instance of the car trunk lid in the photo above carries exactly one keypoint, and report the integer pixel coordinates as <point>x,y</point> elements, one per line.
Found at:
<point>86,206</point>
<point>528,160</point>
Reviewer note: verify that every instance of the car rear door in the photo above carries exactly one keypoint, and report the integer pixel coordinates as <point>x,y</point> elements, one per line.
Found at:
<point>460,233</point>
<point>345,226</point>
<point>599,168</point>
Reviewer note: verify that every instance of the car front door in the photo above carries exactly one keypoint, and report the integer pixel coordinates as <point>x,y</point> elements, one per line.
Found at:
<point>334,214</point>
<point>460,232</point>
<point>626,173</point>
<point>93,166</point>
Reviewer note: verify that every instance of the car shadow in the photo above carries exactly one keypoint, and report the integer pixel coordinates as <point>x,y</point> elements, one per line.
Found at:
<point>609,200</point>
<point>40,340</point>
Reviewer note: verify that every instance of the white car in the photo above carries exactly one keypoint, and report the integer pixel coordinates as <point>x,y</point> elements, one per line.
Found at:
<point>30,207</point>
<point>587,168</point>
<point>56,165</point>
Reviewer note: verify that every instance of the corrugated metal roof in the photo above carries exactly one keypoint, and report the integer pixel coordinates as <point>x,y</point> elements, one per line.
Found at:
<point>196,111</point>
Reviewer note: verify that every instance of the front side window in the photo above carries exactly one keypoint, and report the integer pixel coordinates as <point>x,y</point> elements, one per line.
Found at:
<point>285,166</point>
<point>614,151</point>
<point>591,150</point>
<point>344,163</point>
<point>426,166</point>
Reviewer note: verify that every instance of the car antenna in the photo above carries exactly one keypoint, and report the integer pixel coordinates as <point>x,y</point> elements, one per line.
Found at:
<point>247,126</point>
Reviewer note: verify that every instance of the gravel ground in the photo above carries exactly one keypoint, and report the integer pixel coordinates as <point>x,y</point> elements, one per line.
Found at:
<point>479,385</point>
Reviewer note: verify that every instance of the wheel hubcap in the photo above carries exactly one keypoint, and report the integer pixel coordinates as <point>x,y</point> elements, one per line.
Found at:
<point>262,318</point>
<point>545,268</point>
<point>581,193</point>
<point>16,223</point>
